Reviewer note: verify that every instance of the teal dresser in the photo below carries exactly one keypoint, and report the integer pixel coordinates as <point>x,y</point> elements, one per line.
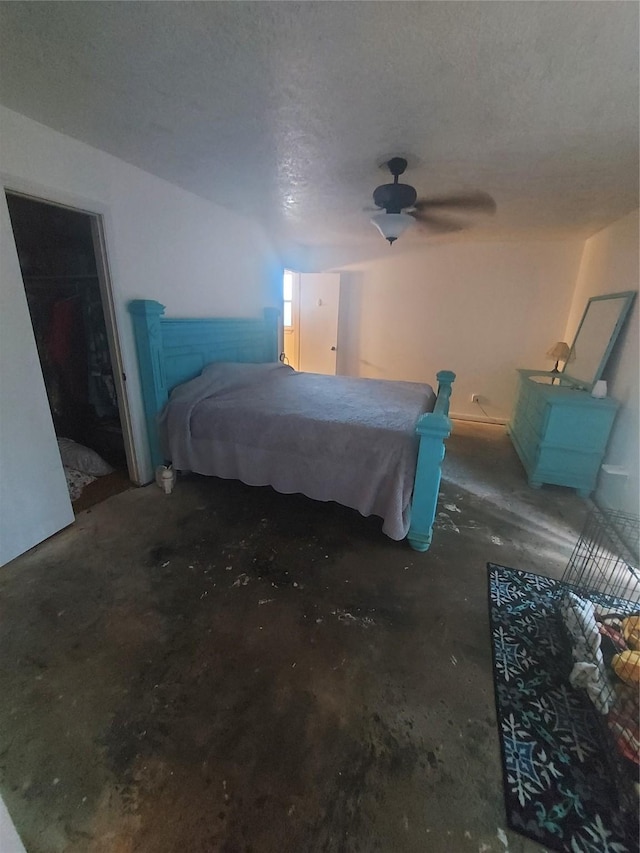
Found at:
<point>560,432</point>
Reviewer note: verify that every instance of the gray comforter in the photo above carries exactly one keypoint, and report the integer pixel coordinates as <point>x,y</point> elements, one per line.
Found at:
<point>332,438</point>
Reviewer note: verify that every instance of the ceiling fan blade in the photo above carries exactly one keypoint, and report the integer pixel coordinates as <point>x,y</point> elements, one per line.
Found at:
<point>475,200</point>
<point>435,224</point>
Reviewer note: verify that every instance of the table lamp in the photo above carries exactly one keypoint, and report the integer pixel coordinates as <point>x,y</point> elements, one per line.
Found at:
<point>559,352</point>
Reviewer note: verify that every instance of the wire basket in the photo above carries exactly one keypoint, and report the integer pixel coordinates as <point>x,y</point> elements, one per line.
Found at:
<point>599,603</point>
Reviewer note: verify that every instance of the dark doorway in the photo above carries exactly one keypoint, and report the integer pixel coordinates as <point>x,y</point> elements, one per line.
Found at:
<point>60,273</point>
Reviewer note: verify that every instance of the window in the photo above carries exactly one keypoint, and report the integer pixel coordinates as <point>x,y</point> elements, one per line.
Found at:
<point>287,297</point>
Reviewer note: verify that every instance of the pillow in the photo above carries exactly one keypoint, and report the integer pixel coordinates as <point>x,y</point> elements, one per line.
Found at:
<point>82,458</point>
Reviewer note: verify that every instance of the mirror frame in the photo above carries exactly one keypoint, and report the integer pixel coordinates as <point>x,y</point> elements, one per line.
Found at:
<point>628,296</point>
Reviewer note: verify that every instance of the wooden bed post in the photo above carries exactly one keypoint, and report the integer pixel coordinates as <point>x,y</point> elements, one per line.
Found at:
<point>148,334</point>
<point>433,428</point>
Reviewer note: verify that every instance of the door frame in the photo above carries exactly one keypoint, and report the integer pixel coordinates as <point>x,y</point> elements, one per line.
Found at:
<point>99,215</point>
<point>293,331</point>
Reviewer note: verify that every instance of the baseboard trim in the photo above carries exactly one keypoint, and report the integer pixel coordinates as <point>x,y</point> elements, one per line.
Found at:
<point>480,419</point>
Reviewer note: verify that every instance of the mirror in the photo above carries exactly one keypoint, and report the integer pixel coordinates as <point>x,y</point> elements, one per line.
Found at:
<point>596,335</point>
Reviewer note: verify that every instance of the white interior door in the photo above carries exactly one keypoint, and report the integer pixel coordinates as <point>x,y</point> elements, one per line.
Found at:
<point>34,499</point>
<point>319,300</point>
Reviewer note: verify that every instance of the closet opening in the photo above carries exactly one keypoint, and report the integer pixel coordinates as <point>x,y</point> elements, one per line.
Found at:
<point>65,276</point>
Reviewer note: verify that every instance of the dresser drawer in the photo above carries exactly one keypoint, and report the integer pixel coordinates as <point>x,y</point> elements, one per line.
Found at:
<point>532,405</point>
<point>577,428</point>
<point>537,411</point>
<point>567,465</point>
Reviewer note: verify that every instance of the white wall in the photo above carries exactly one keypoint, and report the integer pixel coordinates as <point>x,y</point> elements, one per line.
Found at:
<point>479,309</point>
<point>610,265</point>
<point>163,243</point>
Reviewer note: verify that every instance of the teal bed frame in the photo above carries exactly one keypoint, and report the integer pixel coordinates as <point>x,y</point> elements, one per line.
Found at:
<point>174,350</point>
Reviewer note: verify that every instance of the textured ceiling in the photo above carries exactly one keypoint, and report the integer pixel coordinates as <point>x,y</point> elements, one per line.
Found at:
<point>285,110</point>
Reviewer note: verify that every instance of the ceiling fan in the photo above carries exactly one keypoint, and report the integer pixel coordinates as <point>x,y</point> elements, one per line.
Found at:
<point>401,206</point>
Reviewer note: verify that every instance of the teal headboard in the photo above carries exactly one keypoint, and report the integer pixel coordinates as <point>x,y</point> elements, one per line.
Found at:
<point>174,350</point>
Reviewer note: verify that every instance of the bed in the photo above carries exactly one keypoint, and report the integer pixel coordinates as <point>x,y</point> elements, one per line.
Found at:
<point>218,402</point>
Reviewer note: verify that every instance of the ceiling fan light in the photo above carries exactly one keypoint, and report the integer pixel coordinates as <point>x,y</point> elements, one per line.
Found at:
<point>392,225</point>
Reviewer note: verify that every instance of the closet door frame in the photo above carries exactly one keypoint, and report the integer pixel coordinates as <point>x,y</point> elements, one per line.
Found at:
<point>119,375</point>
<point>99,215</point>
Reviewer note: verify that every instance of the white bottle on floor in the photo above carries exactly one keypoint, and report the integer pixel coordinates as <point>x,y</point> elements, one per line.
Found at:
<point>166,478</point>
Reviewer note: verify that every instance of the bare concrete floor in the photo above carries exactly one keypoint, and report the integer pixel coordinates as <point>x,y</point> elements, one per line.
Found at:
<point>229,669</point>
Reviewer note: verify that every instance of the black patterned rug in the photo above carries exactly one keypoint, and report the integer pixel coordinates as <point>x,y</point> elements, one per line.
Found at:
<point>557,779</point>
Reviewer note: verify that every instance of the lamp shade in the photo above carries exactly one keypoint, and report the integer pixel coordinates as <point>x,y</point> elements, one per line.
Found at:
<point>559,351</point>
<point>392,225</point>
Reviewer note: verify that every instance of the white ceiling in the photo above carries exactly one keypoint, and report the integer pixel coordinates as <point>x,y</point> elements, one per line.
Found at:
<point>284,110</point>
